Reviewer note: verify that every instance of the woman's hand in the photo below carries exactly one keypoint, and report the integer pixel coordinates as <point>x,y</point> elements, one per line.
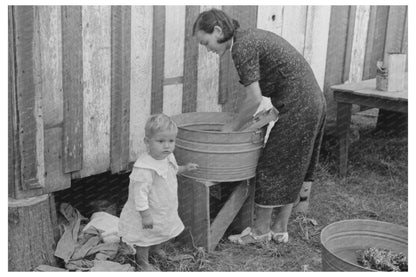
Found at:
<point>247,106</point>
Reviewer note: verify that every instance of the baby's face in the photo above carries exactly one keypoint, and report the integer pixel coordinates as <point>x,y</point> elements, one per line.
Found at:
<point>161,144</point>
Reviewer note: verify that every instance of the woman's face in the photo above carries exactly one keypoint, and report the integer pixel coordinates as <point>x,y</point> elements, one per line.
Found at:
<point>210,41</point>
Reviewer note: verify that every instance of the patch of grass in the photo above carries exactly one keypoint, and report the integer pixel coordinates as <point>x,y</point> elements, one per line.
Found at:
<point>376,188</point>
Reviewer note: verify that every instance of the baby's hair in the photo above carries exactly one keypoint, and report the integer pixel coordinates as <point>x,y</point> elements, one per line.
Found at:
<point>157,123</point>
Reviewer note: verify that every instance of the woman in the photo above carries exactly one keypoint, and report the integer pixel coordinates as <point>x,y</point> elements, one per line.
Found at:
<point>269,66</point>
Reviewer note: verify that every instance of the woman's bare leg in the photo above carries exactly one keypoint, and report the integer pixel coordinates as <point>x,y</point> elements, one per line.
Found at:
<point>282,219</point>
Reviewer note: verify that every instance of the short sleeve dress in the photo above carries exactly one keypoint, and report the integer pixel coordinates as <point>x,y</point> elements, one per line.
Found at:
<point>291,153</point>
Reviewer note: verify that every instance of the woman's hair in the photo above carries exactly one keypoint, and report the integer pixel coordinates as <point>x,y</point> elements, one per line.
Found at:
<point>157,123</point>
<point>207,20</point>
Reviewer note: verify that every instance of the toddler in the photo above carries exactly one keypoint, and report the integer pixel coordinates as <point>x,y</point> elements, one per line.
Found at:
<point>150,215</point>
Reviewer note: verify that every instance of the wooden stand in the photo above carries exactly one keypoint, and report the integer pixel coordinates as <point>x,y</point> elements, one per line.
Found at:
<point>31,238</point>
<point>195,209</point>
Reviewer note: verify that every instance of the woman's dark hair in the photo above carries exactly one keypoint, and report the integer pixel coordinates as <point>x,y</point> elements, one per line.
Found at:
<point>207,20</point>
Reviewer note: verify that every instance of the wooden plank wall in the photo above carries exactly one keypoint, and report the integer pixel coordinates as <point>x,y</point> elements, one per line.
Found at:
<point>208,66</point>
<point>141,75</point>
<point>190,67</point>
<point>93,74</point>
<point>120,87</point>
<point>72,82</point>
<point>28,99</point>
<point>51,86</point>
<point>229,87</point>
<point>96,47</point>
<point>174,59</point>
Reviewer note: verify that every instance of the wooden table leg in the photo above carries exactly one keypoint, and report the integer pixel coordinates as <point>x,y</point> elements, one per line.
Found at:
<point>228,212</point>
<point>194,211</point>
<point>343,128</point>
<point>245,217</point>
<point>201,218</point>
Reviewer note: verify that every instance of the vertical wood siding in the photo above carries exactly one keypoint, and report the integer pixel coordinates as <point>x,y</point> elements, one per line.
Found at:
<point>120,87</point>
<point>375,40</point>
<point>190,63</point>
<point>158,58</point>
<point>50,86</point>
<point>230,88</point>
<point>358,44</point>
<point>395,29</point>
<point>28,99</point>
<point>337,54</point>
<point>208,77</point>
<point>174,59</point>
<point>13,128</point>
<point>294,26</point>
<point>97,78</point>
<point>270,18</point>
<point>72,82</point>
<point>316,40</point>
<point>141,75</point>
<point>93,74</point>
<point>350,36</point>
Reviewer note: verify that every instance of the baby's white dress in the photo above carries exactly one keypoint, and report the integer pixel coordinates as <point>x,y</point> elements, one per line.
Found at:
<point>153,185</point>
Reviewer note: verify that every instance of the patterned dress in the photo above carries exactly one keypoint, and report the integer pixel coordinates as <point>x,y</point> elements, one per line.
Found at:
<point>291,152</point>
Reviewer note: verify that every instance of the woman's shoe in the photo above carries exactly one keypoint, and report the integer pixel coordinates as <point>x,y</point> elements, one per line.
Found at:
<point>280,237</point>
<point>247,237</point>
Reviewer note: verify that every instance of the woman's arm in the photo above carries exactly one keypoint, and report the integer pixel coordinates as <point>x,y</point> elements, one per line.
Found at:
<point>246,107</point>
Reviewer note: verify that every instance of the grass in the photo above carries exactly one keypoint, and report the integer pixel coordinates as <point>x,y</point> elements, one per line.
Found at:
<point>376,187</point>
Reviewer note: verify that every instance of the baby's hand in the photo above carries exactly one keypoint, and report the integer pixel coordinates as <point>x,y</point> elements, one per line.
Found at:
<point>191,166</point>
<point>147,221</point>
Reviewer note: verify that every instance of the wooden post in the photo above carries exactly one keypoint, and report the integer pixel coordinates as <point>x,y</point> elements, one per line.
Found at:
<point>31,237</point>
<point>245,216</point>
<point>343,128</point>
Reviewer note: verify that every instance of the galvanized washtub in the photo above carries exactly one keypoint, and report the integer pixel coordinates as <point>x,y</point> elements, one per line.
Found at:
<point>341,240</point>
<point>221,156</point>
